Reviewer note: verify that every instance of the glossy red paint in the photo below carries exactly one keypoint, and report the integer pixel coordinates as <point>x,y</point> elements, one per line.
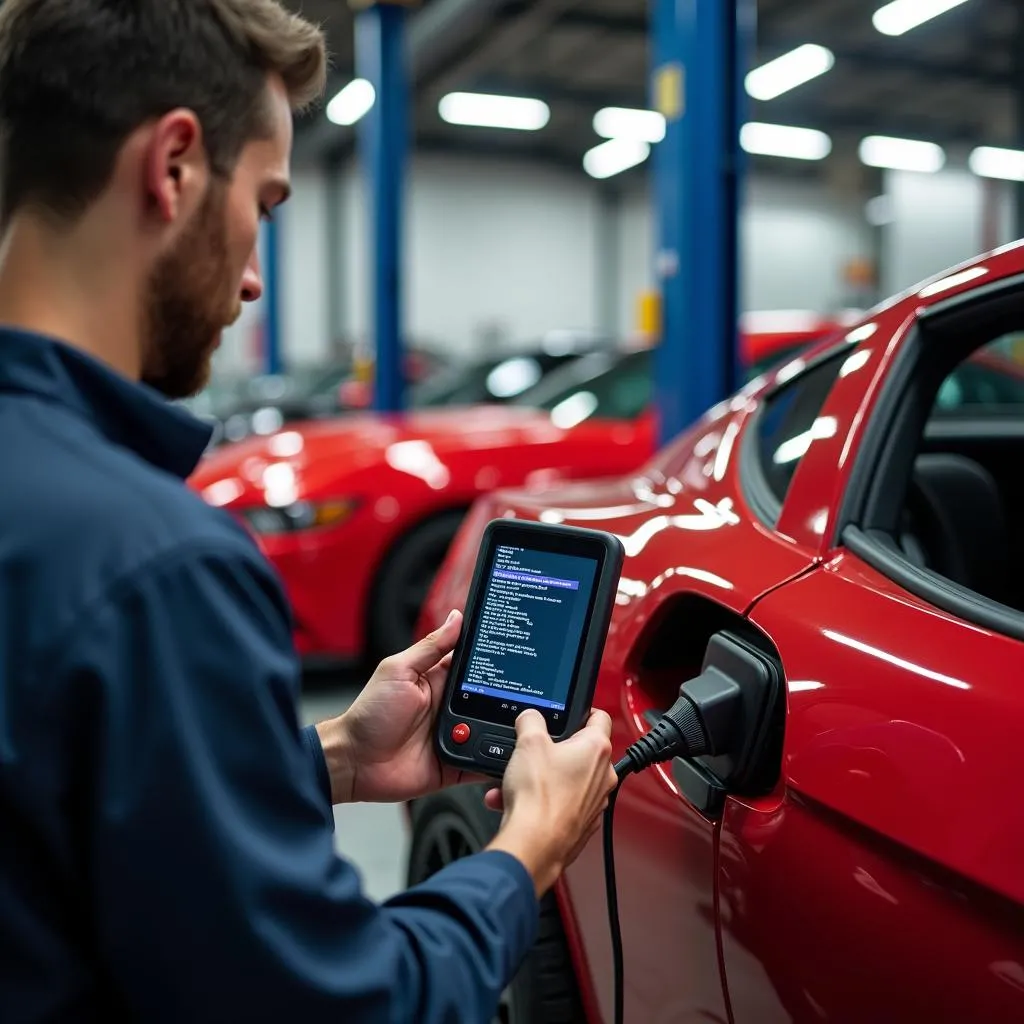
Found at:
<point>881,878</point>
<point>398,472</point>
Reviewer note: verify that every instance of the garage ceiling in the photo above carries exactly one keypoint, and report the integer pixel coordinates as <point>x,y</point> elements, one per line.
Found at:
<point>953,80</point>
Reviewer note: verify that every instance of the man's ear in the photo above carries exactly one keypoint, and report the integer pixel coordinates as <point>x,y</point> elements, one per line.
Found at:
<point>176,168</point>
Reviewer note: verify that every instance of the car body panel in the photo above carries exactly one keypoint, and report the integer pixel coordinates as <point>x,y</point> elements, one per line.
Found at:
<point>399,472</point>
<point>806,515</point>
<point>893,834</point>
<point>665,849</point>
<point>880,878</point>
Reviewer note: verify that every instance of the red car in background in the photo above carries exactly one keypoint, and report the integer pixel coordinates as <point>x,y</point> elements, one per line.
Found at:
<point>858,516</point>
<point>357,513</point>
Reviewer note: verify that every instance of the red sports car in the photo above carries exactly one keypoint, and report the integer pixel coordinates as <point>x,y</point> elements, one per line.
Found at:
<point>858,517</point>
<point>356,513</point>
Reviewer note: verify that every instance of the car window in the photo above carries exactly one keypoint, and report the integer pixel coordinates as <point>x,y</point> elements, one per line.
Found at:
<point>989,384</point>
<point>790,422</point>
<point>619,387</point>
<point>774,359</point>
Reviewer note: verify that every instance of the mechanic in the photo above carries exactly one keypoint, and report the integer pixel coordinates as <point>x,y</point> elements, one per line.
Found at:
<point>166,831</point>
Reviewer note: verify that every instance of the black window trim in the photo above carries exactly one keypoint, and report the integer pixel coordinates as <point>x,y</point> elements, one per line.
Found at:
<point>866,485</point>
<point>754,486</point>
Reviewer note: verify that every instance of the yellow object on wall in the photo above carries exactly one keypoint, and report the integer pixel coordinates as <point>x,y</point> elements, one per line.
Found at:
<point>669,89</point>
<point>648,316</point>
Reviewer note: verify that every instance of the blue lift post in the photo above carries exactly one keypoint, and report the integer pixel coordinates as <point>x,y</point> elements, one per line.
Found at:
<point>383,136</point>
<point>272,361</point>
<point>699,54</point>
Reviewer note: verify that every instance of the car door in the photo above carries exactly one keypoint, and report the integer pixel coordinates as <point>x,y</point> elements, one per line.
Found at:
<point>885,882</point>
<point>693,567</point>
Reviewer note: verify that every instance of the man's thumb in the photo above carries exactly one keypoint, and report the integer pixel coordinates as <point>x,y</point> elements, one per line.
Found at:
<point>530,721</point>
<point>425,654</point>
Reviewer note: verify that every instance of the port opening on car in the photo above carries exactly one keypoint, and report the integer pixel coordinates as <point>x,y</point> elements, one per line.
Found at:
<point>672,649</point>
<point>938,488</point>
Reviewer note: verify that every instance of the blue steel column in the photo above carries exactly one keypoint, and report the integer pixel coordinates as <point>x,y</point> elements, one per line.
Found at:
<point>699,51</point>
<point>272,361</point>
<point>380,58</point>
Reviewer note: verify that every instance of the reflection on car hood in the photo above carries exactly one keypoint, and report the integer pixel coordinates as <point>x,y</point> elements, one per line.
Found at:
<point>333,448</point>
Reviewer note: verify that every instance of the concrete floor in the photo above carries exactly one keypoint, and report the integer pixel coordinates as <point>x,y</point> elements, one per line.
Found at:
<point>373,837</point>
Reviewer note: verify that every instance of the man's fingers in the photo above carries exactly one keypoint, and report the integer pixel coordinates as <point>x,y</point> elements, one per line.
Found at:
<point>493,800</point>
<point>426,653</point>
<point>530,723</point>
<point>600,720</point>
<point>438,675</point>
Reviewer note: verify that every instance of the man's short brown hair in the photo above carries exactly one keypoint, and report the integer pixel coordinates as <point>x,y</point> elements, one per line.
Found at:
<point>77,77</point>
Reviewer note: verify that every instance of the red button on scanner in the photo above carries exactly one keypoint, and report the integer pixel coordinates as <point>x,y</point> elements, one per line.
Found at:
<point>460,733</point>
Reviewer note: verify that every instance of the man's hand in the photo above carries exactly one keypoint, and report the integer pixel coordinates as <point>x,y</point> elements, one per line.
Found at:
<point>553,794</point>
<point>382,748</point>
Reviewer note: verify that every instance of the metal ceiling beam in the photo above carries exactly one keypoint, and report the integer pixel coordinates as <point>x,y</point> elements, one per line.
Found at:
<point>507,40</point>
<point>436,34</point>
<point>863,58</point>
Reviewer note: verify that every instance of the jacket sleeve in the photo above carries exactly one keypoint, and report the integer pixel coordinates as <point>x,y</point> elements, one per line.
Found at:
<point>214,885</point>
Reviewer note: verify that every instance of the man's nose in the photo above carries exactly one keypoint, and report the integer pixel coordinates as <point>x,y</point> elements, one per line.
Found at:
<point>252,282</point>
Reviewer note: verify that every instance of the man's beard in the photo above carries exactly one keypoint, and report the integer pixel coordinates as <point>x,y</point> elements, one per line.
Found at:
<point>190,301</point>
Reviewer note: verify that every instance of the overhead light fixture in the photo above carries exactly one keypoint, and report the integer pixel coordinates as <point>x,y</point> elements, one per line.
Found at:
<point>614,157</point>
<point>479,110</point>
<point>902,15</point>
<point>785,141</point>
<point>990,162</point>
<point>626,123</point>
<point>788,71</point>
<point>352,102</point>
<point>902,154</point>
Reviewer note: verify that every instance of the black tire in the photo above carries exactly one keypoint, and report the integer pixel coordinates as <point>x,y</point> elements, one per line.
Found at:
<point>454,824</point>
<point>404,581</point>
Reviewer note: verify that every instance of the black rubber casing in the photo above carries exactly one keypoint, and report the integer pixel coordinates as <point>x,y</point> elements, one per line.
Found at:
<point>608,550</point>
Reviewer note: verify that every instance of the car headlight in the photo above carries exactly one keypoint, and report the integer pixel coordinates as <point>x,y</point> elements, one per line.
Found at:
<point>302,515</point>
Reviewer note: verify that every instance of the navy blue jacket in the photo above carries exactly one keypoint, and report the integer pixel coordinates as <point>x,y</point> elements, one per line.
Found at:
<point>166,844</point>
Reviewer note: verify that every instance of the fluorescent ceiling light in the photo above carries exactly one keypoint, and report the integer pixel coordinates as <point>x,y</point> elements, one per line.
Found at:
<point>349,105</point>
<point>482,111</point>
<point>614,156</point>
<point>989,162</point>
<point>789,71</point>
<point>782,140</point>
<point>635,125</point>
<point>902,154</point>
<point>902,15</point>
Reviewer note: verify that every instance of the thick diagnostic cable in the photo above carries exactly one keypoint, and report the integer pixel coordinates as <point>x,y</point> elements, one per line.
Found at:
<point>699,722</point>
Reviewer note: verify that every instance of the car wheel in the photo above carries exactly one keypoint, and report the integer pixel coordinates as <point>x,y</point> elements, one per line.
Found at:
<point>455,824</point>
<point>405,581</point>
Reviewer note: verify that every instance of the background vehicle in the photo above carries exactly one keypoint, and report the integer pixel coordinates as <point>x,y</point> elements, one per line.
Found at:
<point>356,513</point>
<point>857,516</point>
<point>268,403</point>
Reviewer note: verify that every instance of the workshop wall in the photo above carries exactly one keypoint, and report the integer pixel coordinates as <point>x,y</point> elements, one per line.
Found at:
<point>939,220</point>
<point>496,253</point>
<point>500,252</point>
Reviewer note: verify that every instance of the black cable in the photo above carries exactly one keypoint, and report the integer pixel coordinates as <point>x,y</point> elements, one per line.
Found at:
<point>612,894</point>
<point>698,722</point>
<point>680,731</point>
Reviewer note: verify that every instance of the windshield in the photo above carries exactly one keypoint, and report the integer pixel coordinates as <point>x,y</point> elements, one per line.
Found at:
<point>776,358</point>
<point>493,380</point>
<point>600,385</point>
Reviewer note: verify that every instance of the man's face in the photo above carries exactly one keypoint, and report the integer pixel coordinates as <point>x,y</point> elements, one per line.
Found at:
<point>198,286</point>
